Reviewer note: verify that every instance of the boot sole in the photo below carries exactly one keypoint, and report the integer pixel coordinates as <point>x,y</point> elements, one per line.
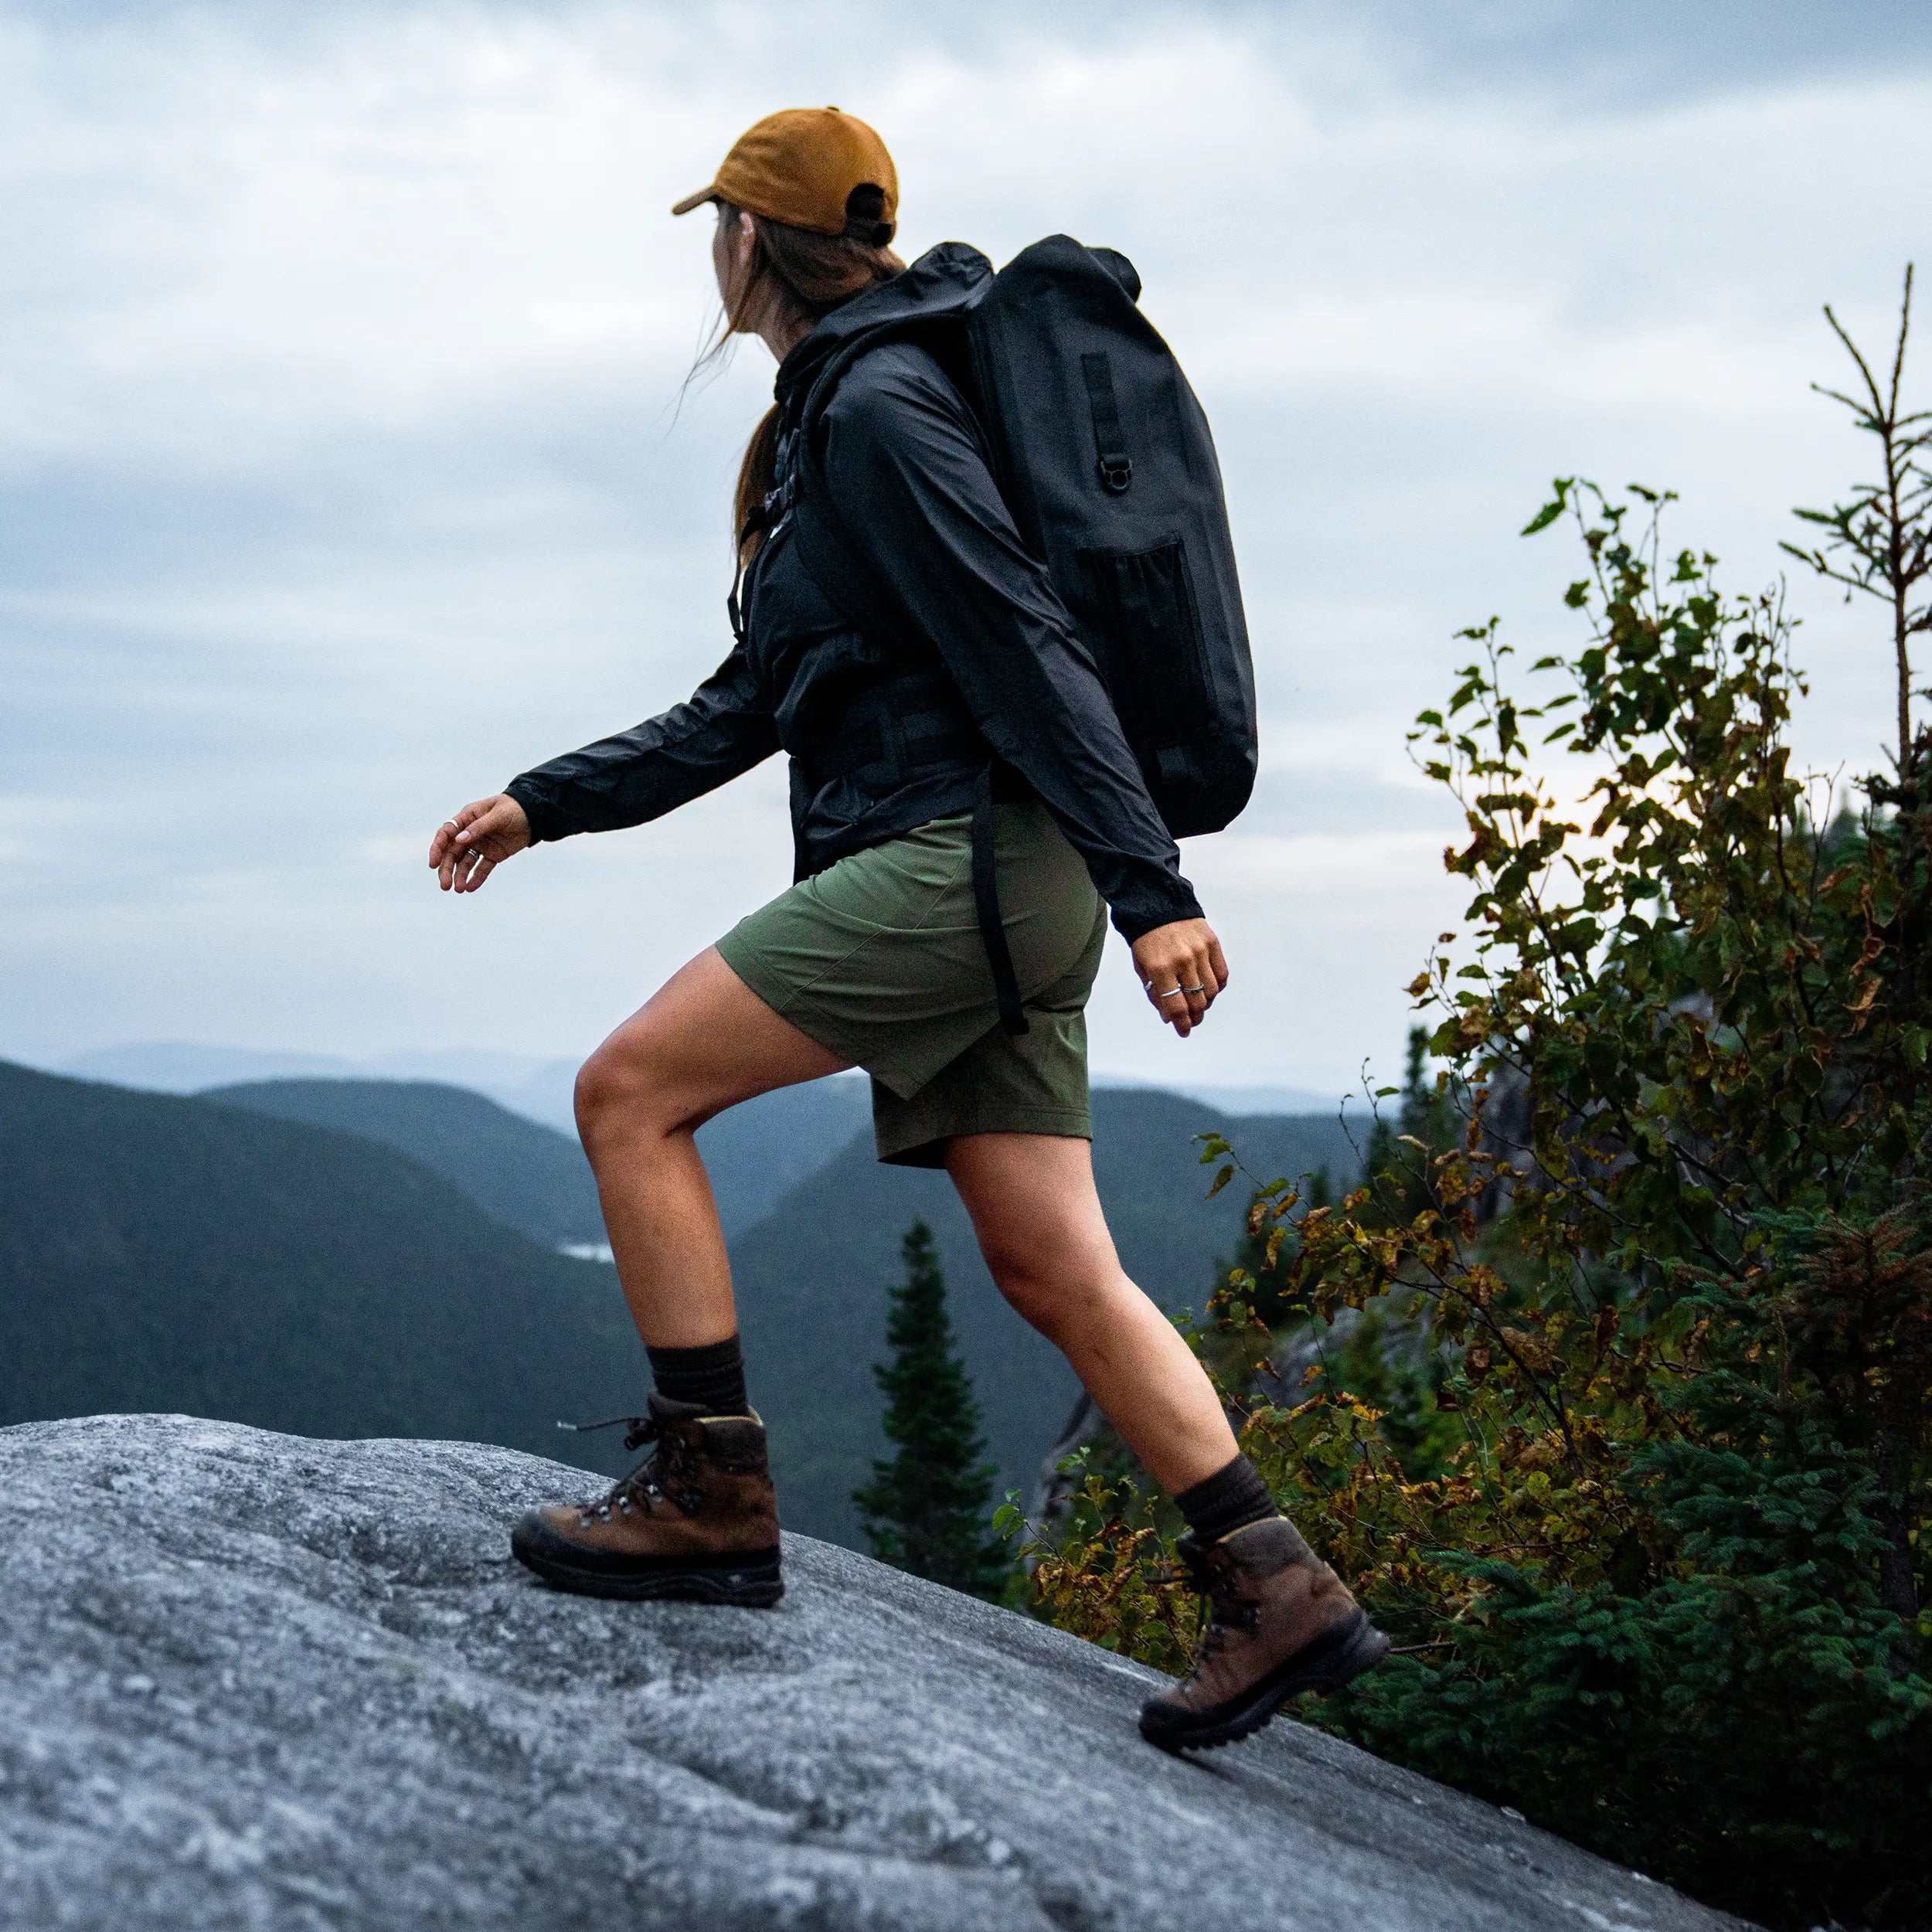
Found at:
<point>1324,1666</point>
<point>750,1586</point>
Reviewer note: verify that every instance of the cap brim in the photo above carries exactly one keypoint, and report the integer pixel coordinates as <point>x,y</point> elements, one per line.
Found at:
<point>695,201</point>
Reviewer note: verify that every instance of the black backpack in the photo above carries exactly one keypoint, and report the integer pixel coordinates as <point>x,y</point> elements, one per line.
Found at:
<point>1104,458</point>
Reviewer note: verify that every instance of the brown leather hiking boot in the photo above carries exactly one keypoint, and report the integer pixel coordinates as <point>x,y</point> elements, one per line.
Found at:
<point>696,1518</point>
<point>1280,1622</point>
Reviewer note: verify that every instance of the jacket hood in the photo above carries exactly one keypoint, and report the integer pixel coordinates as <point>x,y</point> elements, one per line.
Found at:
<point>944,281</point>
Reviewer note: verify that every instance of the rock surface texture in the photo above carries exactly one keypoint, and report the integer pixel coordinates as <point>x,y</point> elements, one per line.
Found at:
<point>253,1680</point>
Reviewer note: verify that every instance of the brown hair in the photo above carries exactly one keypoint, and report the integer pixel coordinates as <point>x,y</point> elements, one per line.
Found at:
<point>810,274</point>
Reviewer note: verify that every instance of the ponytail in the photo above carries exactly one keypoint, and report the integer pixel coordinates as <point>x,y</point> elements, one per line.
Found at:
<point>810,274</point>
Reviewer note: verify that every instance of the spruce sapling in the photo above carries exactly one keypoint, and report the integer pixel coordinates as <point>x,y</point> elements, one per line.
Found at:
<point>927,1509</point>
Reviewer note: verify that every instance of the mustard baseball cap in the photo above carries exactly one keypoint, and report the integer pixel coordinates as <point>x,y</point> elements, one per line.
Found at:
<point>803,166</point>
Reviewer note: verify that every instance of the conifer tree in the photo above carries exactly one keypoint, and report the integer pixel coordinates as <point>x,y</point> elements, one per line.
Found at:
<point>926,1510</point>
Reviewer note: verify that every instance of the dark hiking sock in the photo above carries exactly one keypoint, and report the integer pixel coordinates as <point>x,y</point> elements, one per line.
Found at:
<point>713,1376</point>
<point>1228,1500</point>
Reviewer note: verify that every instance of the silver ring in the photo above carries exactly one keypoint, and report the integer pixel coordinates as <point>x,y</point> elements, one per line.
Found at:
<point>1173,992</point>
<point>1194,989</point>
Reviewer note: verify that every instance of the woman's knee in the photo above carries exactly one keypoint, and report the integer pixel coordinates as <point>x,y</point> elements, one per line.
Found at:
<point>1060,1305</point>
<point>619,1093</point>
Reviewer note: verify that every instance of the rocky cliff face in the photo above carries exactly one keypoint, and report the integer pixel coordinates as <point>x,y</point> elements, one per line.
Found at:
<point>252,1680</point>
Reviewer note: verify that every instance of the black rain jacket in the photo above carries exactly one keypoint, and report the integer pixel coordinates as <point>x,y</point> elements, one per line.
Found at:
<point>891,726</point>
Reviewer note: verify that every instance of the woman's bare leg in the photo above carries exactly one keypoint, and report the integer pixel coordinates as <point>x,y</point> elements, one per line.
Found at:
<point>1038,1220</point>
<point>703,1043</point>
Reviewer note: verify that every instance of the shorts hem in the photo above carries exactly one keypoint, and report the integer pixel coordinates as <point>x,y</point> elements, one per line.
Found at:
<point>782,996</point>
<point>794,1003</point>
<point>921,1146</point>
<point>792,999</point>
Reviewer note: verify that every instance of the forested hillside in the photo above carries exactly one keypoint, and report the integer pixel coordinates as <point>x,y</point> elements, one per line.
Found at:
<point>169,1254</point>
<point>525,1175</point>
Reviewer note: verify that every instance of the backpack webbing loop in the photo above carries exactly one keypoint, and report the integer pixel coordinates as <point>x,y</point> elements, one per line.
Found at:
<point>1115,466</point>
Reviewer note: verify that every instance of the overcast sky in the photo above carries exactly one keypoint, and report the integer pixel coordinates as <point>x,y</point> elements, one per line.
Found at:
<point>341,474</point>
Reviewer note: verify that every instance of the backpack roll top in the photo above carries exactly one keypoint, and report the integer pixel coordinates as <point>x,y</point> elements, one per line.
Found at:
<point>1105,459</point>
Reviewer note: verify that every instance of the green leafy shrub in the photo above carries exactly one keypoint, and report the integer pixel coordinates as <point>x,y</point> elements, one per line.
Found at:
<point>1616,1401</point>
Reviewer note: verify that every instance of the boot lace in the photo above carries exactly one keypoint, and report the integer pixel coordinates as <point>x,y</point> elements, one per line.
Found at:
<point>670,1474</point>
<point>1223,1608</point>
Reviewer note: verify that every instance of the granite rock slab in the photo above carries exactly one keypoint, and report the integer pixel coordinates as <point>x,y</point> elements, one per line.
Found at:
<point>258,1681</point>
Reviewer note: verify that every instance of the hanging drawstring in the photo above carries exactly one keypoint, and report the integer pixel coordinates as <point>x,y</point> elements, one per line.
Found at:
<point>763,520</point>
<point>753,524</point>
<point>1012,1015</point>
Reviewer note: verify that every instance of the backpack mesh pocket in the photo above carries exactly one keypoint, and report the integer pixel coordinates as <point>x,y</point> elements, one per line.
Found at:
<point>1147,632</point>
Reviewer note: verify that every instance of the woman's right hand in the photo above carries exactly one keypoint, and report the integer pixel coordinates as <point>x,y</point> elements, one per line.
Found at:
<point>470,846</point>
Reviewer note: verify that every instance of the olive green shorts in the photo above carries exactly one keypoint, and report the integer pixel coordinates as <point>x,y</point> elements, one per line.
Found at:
<point>879,958</point>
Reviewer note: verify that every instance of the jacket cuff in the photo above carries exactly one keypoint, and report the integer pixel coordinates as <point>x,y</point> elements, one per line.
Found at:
<point>546,822</point>
<point>1143,915</point>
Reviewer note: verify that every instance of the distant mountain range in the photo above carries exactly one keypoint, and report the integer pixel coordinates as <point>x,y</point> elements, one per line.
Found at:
<point>526,1083</point>
<point>533,1179</point>
<point>347,1258</point>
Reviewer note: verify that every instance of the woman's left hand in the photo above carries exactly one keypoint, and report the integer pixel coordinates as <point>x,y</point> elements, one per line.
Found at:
<point>470,846</point>
<point>1182,966</point>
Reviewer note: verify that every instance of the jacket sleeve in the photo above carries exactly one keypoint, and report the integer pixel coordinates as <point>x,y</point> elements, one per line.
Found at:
<point>724,729</point>
<point>909,476</point>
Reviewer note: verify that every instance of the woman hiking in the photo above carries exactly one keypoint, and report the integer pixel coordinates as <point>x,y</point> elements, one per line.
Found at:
<point>875,958</point>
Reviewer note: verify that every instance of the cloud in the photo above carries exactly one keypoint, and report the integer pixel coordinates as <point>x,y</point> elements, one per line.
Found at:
<point>343,471</point>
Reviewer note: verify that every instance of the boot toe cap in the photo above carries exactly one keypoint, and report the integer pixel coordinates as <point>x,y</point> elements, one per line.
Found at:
<point>540,1533</point>
<point>1167,1718</point>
